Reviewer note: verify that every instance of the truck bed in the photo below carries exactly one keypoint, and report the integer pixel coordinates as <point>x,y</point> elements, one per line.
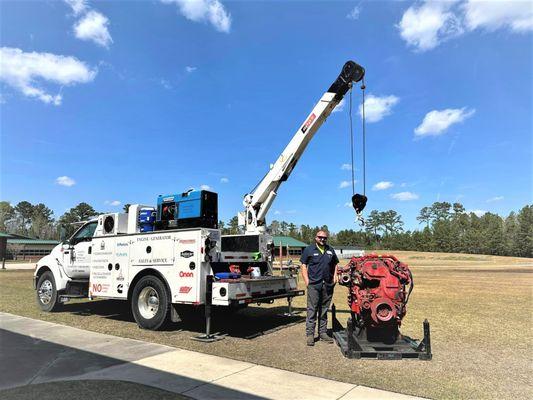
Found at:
<point>253,290</point>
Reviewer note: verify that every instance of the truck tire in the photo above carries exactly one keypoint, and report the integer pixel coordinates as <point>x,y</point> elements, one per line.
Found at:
<point>47,296</point>
<point>150,303</point>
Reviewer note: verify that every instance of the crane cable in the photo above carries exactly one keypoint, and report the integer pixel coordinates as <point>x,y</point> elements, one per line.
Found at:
<point>351,143</point>
<point>359,201</point>
<point>363,87</point>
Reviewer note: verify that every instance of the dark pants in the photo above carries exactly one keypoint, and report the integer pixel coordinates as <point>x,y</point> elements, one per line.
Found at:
<point>319,297</point>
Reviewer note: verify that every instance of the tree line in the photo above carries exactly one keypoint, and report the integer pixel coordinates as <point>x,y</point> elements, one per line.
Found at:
<point>445,227</point>
<point>37,221</point>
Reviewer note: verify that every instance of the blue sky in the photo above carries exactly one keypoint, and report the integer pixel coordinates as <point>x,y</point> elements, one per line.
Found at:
<point>118,102</point>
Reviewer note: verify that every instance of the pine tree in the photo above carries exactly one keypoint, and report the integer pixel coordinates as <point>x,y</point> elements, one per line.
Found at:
<point>524,236</point>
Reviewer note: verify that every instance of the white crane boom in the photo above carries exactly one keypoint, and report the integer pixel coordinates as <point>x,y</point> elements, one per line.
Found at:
<point>258,202</point>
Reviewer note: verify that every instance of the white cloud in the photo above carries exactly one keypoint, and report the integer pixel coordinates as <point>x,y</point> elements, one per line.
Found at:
<point>78,6</point>
<point>378,107</point>
<point>224,180</point>
<point>348,204</point>
<point>345,184</point>
<point>189,69</point>
<point>346,167</point>
<point>277,212</point>
<point>436,122</point>
<point>93,27</point>
<point>383,185</point>
<point>493,199</point>
<point>424,26</point>
<point>21,70</point>
<point>479,213</point>
<point>113,203</point>
<point>65,181</point>
<point>492,15</point>
<point>205,187</point>
<point>166,84</point>
<point>354,14</point>
<point>211,11</point>
<point>339,107</point>
<point>405,196</point>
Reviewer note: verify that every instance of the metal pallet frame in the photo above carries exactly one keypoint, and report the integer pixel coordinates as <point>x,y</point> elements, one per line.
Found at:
<point>356,346</point>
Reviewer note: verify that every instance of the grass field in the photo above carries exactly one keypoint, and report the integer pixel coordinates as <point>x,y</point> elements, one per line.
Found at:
<point>480,310</point>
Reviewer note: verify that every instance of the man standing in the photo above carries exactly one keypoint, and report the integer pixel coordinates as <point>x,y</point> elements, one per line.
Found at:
<point>319,267</point>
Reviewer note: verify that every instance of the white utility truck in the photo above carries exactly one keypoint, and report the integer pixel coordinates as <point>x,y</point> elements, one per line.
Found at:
<point>167,259</point>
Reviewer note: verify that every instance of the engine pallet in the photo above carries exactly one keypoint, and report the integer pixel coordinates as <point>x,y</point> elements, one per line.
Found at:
<point>357,346</point>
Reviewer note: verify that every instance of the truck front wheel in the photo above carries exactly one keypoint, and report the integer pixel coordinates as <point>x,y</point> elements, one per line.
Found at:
<point>47,293</point>
<point>150,303</point>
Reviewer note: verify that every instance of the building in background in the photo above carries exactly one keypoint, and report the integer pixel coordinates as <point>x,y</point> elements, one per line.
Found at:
<point>348,251</point>
<point>18,247</point>
<point>288,246</point>
<point>3,245</point>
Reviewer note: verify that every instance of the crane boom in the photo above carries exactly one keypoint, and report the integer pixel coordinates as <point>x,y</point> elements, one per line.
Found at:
<point>258,202</point>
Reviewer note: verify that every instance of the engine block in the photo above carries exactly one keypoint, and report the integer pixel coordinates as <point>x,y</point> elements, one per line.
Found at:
<point>377,292</point>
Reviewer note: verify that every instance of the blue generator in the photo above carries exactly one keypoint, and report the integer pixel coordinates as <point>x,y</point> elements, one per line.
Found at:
<point>192,209</point>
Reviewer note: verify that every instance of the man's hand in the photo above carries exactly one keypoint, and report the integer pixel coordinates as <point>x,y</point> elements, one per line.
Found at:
<point>335,275</point>
<point>303,268</point>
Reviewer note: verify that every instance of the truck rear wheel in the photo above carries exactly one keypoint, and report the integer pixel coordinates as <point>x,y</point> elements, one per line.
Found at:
<point>150,303</point>
<point>47,297</point>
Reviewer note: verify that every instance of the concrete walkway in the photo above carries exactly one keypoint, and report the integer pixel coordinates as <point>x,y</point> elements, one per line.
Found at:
<point>34,351</point>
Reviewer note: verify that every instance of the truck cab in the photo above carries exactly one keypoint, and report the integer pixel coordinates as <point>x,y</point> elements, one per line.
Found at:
<point>66,268</point>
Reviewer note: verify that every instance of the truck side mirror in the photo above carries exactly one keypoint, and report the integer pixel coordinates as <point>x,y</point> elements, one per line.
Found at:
<point>62,234</point>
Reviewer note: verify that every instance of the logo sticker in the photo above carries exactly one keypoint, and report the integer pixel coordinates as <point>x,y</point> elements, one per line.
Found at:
<point>187,253</point>
<point>185,289</point>
<point>119,288</point>
<point>308,123</point>
<point>186,274</point>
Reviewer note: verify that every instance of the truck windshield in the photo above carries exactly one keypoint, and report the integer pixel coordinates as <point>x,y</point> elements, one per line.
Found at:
<point>85,232</point>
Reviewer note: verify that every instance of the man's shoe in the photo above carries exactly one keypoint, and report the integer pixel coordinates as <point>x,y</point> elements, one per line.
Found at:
<point>310,340</point>
<point>325,338</point>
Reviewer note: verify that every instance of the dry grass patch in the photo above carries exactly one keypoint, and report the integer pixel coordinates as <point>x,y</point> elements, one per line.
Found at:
<point>479,308</point>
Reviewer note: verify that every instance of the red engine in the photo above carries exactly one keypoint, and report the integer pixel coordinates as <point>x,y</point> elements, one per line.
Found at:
<point>378,294</point>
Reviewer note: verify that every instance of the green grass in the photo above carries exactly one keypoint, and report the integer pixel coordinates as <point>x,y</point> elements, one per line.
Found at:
<point>481,325</point>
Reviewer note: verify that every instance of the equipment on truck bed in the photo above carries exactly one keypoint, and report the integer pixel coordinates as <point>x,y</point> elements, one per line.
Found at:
<point>192,209</point>
<point>377,298</point>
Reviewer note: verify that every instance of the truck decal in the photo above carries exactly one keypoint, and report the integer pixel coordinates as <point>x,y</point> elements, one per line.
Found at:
<point>100,288</point>
<point>185,289</point>
<point>160,237</point>
<point>184,274</point>
<point>187,253</point>
<point>308,123</point>
<point>153,261</point>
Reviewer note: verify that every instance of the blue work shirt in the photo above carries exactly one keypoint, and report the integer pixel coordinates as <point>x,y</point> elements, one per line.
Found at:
<point>320,267</point>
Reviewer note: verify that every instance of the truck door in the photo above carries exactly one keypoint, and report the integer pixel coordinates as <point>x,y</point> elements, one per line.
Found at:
<point>77,258</point>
